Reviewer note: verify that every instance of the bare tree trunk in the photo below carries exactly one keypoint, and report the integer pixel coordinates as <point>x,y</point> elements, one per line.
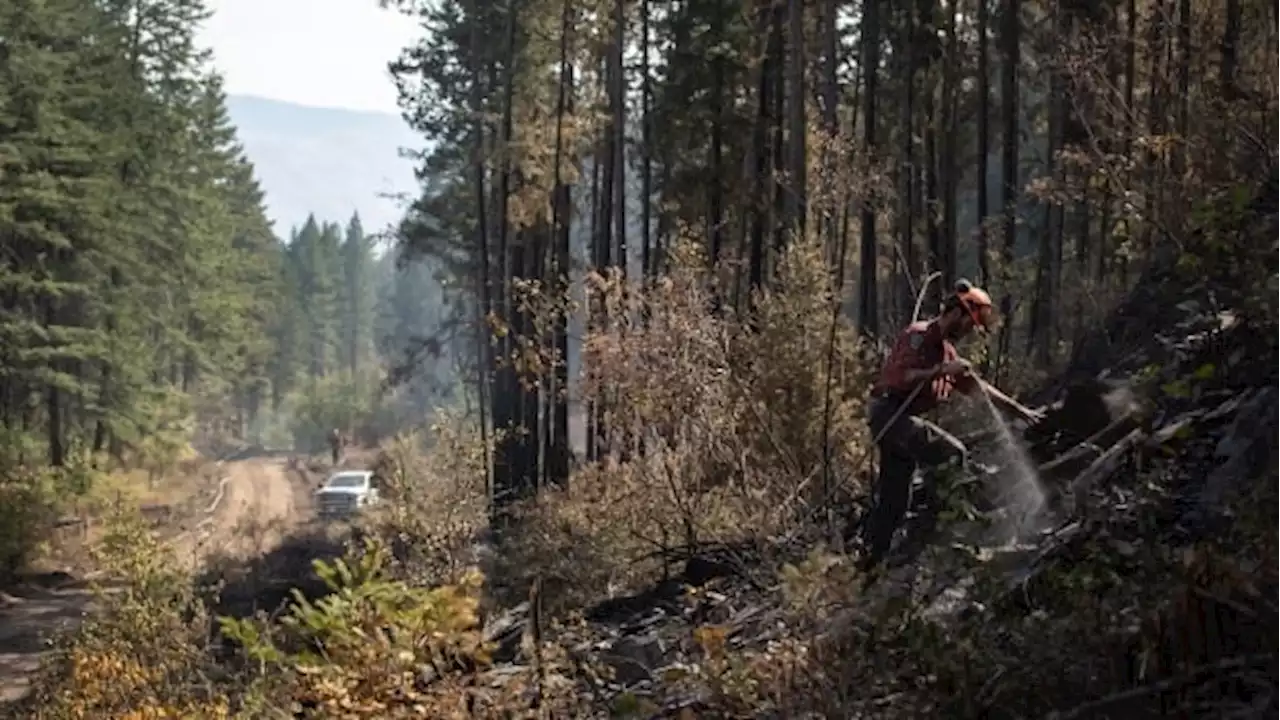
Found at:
<point>1102,249</point>
<point>609,177</point>
<point>715,195</point>
<point>984,141</point>
<point>777,146</point>
<point>484,283</point>
<point>556,448</point>
<point>1184,85</point>
<point>648,265</point>
<point>760,151</point>
<point>933,232</point>
<point>1009,196</point>
<point>797,200</point>
<point>1130,78</point>
<point>593,232</point>
<point>506,386</point>
<point>1230,50</point>
<point>906,240</point>
<point>830,123</point>
<point>619,102</point>
<point>947,163</point>
<point>1040,333</point>
<point>868,307</point>
<point>1156,42</point>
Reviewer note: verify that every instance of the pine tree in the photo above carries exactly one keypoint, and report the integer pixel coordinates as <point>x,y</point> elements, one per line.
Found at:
<point>138,254</point>
<point>314,256</point>
<point>357,298</point>
<point>54,192</point>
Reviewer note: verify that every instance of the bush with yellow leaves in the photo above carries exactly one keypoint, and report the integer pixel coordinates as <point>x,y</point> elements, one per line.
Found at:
<point>142,653</point>
<point>375,647</point>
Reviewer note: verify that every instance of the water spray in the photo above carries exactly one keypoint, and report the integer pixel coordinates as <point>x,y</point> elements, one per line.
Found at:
<point>1021,495</point>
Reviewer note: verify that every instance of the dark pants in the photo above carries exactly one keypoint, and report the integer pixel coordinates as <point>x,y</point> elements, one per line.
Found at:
<point>911,443</point>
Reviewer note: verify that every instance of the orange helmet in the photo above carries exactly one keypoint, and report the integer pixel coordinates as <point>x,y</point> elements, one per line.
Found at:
<point>975,302</point>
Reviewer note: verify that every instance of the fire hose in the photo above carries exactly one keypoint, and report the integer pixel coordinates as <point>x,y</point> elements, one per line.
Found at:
<point>897,415</point>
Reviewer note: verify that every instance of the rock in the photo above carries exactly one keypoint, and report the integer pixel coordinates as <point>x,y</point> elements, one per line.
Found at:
<point>634,659</point>
<point>505,632</point>
<point>1251,433</point>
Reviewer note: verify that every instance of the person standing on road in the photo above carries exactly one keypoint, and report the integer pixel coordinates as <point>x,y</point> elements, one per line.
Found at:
<point>923,362</point>
<point>335,445</point>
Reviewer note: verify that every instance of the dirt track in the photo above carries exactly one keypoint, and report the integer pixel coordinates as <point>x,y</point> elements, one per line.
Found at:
<point>260,504</point>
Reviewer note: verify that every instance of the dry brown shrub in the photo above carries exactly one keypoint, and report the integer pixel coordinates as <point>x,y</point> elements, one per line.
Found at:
<point>433,485</point>
<point>715,424</point>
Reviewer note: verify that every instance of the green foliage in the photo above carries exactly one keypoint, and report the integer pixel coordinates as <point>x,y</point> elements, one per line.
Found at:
<point>343,318</point>
<point>148,305</point>
<point>32,499</point>
<point>362,649</point>
<point>339,401</point>
<point>356,322</point>
<point>141,254</point>
<point>1229,245</point>
<point>28,503</point>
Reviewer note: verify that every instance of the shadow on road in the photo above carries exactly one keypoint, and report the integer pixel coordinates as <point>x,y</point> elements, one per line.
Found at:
<point>239,588</point>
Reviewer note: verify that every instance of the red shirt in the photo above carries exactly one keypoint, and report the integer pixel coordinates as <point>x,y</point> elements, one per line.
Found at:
<point>919,347</point>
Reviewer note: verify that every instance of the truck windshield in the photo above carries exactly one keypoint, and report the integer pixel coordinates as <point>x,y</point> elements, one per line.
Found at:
<point>348,480</point>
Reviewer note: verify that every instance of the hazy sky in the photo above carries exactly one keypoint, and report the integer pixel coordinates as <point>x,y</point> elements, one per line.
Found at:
<point>327,53</point>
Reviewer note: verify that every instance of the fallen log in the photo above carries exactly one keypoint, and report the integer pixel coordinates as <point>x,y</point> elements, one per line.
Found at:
<point>1082,487</point>
<point>1084,456</point>
<point>1070,462</point>
<point>1087,451</point>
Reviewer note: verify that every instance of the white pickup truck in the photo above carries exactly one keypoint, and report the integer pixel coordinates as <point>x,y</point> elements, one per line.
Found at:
<point>346,493</point>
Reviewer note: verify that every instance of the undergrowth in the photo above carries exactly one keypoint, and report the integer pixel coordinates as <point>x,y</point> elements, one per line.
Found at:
<point>719,430</point>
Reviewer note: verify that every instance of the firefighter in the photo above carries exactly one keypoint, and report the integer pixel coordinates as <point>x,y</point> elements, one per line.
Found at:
<point>924,357</point>
<point>335,445</point>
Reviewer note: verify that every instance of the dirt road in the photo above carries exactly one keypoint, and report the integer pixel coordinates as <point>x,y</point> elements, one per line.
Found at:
<point>259,504</point>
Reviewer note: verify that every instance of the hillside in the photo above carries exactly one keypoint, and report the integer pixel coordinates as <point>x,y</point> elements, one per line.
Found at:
<point>310,158</point>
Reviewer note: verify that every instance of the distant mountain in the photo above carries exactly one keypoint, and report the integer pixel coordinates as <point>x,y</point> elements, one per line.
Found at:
<point>325,160</point>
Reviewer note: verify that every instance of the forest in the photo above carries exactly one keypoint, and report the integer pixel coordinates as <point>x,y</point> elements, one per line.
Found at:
<point>148,302</point>
<point>1049,151</point>
<point>357,343</point>
<point>612,369</point>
